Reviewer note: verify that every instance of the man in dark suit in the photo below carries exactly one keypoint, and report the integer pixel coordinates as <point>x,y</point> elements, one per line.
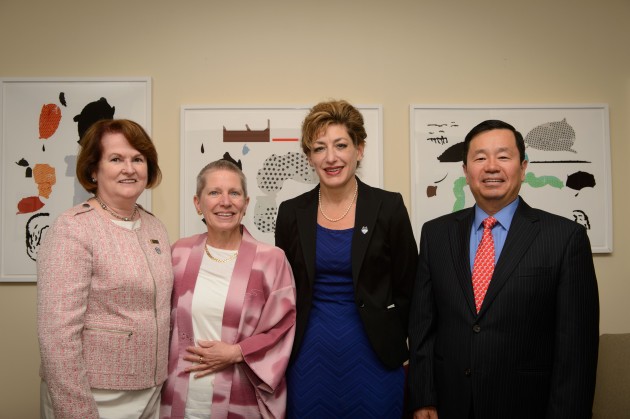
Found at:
<point>524,346</point>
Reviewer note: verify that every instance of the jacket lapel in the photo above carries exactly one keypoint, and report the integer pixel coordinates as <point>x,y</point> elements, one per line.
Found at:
<point>523,231</point>
<point>307,229</point>
<point>186,285</point>
<point>459,235</point>
<point>233,309</point>
<point>366,213</point>
<point>189,278</point>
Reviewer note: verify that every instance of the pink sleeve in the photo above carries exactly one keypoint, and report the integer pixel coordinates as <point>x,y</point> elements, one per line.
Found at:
<point>267,351</point>
<point>64,265</point>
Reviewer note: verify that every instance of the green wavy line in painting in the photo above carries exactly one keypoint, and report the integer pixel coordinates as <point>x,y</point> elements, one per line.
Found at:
<point>539,182</point>
<point>530,179</point>
<point>458,191</point>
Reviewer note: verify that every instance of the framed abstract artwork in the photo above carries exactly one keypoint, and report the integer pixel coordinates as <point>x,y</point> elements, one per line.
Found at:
<point>568,153</point>
<point>41,121</point>
<point>264,140</point>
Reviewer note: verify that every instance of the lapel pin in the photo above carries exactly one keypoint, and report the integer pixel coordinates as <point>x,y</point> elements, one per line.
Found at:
<point>364,229</point>
<point>157,249</point>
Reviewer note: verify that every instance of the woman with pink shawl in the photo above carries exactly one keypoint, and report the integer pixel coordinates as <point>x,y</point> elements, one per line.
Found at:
<point>233,311</point>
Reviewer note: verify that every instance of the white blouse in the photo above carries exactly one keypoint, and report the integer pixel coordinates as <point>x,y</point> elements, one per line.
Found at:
<point>208,302</point>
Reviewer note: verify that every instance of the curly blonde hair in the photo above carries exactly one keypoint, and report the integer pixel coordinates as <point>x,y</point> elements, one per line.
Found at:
<point>334,112</point>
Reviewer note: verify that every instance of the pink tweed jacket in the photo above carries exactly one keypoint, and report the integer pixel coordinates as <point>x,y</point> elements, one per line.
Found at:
<point>259,315</point>
<point>103,300</point>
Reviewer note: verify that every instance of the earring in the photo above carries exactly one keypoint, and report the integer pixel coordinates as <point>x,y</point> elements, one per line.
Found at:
<point>199,212</point>
<point>93,180</point>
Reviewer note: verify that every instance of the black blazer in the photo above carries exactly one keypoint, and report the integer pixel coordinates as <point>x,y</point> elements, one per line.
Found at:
<point>532,349</point>
<point>384,258</point>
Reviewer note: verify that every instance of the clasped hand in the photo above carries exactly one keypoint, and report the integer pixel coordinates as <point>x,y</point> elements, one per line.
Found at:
<point>211,356</point>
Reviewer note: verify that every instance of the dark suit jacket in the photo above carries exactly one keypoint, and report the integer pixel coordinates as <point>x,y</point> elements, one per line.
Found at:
<point>532,349</point>
<point>384,262</point>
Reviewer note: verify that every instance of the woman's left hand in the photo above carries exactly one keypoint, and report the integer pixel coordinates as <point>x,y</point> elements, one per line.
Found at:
<point>212,356</point>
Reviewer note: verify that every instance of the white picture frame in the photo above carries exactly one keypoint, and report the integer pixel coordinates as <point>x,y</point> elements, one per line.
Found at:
<point>40,121</point>
<point>271,135</point>
<point>568,148</point>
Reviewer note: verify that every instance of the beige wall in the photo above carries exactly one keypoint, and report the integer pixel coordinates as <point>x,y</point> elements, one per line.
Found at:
<point>393,53</point>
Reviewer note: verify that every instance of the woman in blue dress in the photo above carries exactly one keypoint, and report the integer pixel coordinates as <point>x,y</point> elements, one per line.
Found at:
<point>353,255</point>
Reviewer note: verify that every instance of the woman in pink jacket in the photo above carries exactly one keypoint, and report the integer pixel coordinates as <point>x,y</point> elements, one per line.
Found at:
<point>233,314</point>
<point>104,285</point>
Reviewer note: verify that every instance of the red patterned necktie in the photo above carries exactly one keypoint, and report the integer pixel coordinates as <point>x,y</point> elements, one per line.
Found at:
<point>484,262</point>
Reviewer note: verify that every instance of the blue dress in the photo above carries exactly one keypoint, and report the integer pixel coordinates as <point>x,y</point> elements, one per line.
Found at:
<point>336,373</point>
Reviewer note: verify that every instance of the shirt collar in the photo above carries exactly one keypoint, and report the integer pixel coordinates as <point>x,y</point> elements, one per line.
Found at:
<point>503,217</point>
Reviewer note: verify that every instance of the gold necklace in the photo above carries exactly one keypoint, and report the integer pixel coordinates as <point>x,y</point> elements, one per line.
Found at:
<point>334,220</point>
<point>120,217</point>
<point>227,259</point>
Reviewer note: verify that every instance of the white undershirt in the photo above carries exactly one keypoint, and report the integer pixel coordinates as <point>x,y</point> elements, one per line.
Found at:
<point>130,225</point>
<point>208,302</point>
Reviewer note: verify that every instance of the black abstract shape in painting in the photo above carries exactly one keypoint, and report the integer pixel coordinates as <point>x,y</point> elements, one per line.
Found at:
<point>28,173</point>
<point>62,99</point>
<point>92,112</point>
<point>226,156</point>
<point>579,180</point>
<point>453,154</point>
<point>35,227</point>
<point>580,217</point>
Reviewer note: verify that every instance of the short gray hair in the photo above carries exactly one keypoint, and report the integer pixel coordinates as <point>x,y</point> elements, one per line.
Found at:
<point>221,164</point>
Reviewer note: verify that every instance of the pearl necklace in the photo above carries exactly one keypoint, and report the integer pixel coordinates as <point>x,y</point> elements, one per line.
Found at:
<point>227,259</point>
<point>120,217</point>
<point>334,220</point>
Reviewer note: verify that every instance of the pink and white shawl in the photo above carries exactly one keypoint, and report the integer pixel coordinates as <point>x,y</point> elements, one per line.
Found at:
<point>259,315</point>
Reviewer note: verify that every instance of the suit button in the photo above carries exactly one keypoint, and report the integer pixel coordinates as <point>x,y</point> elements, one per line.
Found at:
<point>467,372</point>
<point>476,328</point>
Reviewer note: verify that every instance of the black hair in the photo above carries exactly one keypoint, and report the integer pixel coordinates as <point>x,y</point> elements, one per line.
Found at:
<point>489,125</point>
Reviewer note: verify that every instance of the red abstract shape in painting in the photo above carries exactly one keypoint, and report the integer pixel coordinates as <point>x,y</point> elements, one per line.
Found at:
<point>49,119</point>
<point>30,204</point>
